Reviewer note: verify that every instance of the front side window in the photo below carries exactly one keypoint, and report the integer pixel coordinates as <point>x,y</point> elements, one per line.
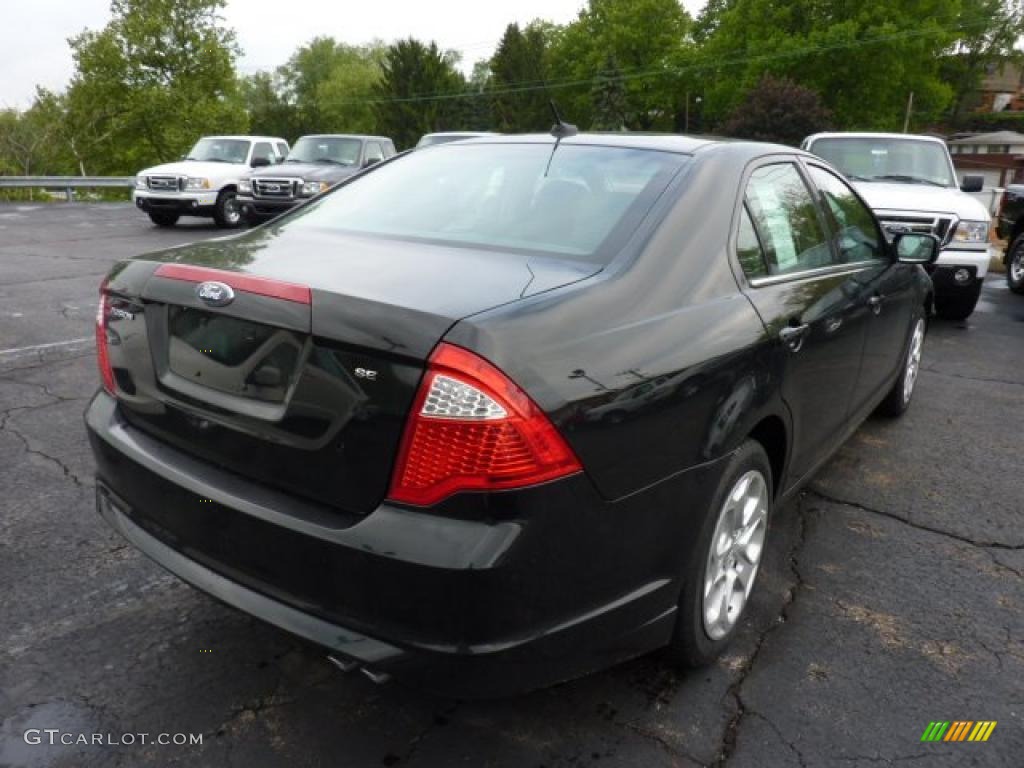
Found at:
<point>853,226</point>
<point>786,219</point>
<point>220,151</point>
<point>264,151</point>
<point>570,200</point>
<point>374,152</point>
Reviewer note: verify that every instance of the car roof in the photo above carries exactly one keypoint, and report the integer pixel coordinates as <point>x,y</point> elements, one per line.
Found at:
<point>361,136</point>
<point>663,142</point>
<point>246,138</point>
<point>869,135</point>
<point>462,133</point>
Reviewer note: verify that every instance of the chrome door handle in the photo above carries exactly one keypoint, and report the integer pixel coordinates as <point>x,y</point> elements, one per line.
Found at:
<point>875,302</point>
<point>793,336</point>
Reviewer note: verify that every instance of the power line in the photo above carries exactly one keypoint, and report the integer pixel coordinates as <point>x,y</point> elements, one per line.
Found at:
<point>527,86</point>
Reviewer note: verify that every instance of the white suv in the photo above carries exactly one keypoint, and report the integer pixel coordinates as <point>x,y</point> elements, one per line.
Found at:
<point>204,182</point>
<point>911,184</point>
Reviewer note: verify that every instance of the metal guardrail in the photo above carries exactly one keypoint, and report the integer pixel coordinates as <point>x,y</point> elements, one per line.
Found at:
<point>67,183</point>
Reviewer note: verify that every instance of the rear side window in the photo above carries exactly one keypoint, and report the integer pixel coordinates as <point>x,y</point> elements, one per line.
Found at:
<point>786,219</point>
<point>853,226</point>
<point>748,248</point>
<point>574,201</point>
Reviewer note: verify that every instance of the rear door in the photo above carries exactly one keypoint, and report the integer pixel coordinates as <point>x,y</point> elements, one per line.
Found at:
<point>808,302</point>
<point>886,286</point>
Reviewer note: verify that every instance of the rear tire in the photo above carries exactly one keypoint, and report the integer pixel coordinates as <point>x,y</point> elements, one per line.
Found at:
<point>715,592</point>
<point>164,219</point>
<point>899,397</point>
<point>1015,265</point>
<point>958,307</point>
<point>226,212</point>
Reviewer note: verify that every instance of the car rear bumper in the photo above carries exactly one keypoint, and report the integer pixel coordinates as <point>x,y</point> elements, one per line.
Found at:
<point>501,594</point>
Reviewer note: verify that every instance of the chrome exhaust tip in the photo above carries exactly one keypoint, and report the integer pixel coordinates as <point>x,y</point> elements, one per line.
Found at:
<point>378,677</point>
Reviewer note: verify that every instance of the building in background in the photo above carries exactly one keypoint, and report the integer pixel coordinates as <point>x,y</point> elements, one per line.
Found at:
<point>999,157</point>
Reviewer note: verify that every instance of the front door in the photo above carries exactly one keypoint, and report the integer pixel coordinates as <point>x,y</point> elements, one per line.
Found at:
<point>886,286</point>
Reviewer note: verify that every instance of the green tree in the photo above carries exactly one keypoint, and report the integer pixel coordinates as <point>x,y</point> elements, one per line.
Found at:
<point>989,33</point>
<point>407,104</point>
<point>864,57</point>
<point>160,74</point>
<point>269,111</point>
<point>518,71</point>
<point>609,96</point>
<point>778,110</point>
<point>650,41</point>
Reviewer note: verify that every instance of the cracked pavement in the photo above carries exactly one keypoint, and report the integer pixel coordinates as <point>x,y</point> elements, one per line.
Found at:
<point>892,593</point>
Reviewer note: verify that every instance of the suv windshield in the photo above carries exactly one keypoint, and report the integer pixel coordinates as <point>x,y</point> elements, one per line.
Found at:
<point>865,158</point>
<point>516,197</point>
<point>325,149</point>
<point>220,151</point>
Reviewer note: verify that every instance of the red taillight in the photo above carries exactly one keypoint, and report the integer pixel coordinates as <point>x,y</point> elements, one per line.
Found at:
<point>472,428</point>
<point>102,348</point>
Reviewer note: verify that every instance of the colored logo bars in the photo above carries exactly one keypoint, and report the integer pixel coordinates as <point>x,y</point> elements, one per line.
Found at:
<point>959,730</point>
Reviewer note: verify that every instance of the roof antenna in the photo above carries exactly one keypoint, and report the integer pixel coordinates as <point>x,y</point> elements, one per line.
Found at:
<point>559,130</point>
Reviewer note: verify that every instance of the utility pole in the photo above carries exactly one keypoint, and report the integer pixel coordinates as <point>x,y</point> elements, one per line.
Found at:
<point>910,108</point>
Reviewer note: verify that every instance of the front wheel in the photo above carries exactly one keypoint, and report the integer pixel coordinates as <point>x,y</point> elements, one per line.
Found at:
<point>1015,265</point>
<point>723,565</point>
<point>226,212</point>
<point>898,399</point>
<point>958,307</point>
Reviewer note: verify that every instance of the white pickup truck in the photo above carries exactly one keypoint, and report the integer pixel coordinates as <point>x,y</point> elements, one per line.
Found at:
<point>910,183</point>
<point>205,181</point>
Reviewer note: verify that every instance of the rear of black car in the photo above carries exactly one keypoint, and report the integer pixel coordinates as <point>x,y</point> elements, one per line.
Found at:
<point>280,426</point>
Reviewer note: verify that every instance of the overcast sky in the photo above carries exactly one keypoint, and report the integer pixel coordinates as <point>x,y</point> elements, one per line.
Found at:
<point>34,50</point>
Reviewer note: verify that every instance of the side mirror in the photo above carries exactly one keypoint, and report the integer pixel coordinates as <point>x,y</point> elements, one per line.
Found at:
<point>916,248</point>
<point>371,161</point>
<point>259,162</point>
<point>973,184</point>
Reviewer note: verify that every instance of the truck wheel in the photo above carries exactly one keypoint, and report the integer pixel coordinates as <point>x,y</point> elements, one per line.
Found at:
<point>164,219</point>
<point>898,399</point>
<point>957,307</point>
<point>226,212</point>
<point>1015,265</point>
<point>724,559</point>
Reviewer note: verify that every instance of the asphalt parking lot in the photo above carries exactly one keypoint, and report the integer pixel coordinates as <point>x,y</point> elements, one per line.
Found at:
<point>893,593</point>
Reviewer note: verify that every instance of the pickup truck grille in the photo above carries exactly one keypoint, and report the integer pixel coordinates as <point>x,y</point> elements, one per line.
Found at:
<point>941,226</point>
<point>166,183</point>
<point>276,189</point>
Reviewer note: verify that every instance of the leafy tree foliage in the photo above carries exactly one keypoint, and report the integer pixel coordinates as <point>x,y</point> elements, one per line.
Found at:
<point>609,97</point>
<point>778,110</point>
<point>417,92</point>
<point>520,62</point>
<point>157,76</point>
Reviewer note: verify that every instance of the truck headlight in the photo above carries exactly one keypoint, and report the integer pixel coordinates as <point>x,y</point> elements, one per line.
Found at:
<point>245,187</point>
<point>140,182</point>
<point>311,188</point>
<point>194,183</point>
<point>971,232</point>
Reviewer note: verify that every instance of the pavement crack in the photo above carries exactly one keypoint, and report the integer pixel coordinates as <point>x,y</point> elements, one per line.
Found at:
<point>6,426</point>
<point>981,379</point>
<point>731,732</point>
<point>439,719</point>
<point>906,521</point>
<point>657,738</point>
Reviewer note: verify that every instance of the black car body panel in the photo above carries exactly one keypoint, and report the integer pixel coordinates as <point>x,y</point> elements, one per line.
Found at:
<point>654,367</point>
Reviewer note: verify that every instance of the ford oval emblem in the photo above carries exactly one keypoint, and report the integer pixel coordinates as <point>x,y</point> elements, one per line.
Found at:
<point>215,294</point>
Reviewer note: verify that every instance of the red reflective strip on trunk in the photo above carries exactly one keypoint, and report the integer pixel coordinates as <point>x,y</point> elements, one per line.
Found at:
<point>263,286</point>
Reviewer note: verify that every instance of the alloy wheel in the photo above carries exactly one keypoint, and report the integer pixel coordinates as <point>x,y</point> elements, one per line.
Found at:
<point>913,360</point>
<point>735,554</point>
<point>1017,265</point>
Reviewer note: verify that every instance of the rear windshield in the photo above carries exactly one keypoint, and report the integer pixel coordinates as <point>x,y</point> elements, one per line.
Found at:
<point>576,201</point>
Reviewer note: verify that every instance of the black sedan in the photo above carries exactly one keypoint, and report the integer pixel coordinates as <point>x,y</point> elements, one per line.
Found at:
<point>504,412</point>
